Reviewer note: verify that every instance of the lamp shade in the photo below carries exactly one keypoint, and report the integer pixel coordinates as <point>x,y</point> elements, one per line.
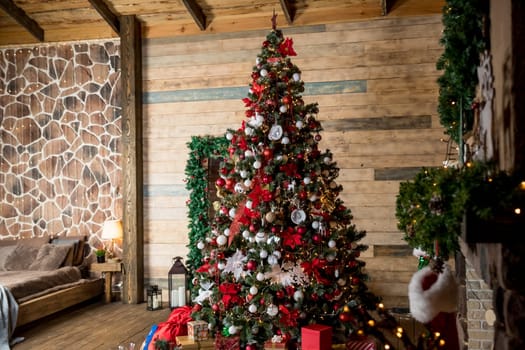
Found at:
<point>112,229</point>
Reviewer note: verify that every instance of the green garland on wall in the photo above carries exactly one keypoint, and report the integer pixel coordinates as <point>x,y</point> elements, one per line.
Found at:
<point>463,40</point>
<point>201,148</point>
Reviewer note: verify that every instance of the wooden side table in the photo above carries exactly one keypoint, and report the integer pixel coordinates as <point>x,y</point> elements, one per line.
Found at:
<point>107,269</point>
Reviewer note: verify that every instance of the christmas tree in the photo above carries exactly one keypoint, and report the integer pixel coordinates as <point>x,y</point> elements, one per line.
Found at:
<point>282,251</point>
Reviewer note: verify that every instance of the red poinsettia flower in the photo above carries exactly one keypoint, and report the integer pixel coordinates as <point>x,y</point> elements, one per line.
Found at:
<point>288,317</point>
<point>286,48</point>
<point>229,293</point>
<point>291,239</point>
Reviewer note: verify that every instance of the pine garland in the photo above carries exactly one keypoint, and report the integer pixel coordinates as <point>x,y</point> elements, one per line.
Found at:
<point>463,41</point>
<point>201,149</point>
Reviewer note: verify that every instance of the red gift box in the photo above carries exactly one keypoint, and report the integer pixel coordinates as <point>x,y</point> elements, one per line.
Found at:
<point>316,337</point>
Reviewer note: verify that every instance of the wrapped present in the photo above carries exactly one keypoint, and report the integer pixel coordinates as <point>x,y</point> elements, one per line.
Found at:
<point>198,330</point>
<point>227,343</point>
<point>276,342</point>
<point>316,337</point>
<point>186,343</point>
<point>365,344</point>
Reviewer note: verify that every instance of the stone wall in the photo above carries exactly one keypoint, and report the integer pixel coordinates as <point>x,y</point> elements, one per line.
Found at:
<point>479,310</point>
<point>59,132</point>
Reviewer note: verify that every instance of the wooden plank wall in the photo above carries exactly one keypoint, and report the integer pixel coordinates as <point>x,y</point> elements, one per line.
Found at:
<point>375,83</point>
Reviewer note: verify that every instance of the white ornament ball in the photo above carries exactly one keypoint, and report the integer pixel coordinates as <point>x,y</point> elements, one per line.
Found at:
<point>327,160</point>
<point>243,174</point>
<point>249,204</point>
<point>298,295</point>
<point>277,254</point>
<point>226,232</point>
<point>232,330</point>
<point>307,180</point>
<point>299,124</point>
<point>221,266</point>
<point>229,136</point>
<point>232,212</point>
<point>248,183</point>
<point>263,254</point>
<point>257,164</point>
<point>254,290</point>
<point>248,153</point>
<point>272,310</point>
<point>283,109</point>
<point>296,76</point>
<point>252,308</point>
<point>258,60</point>
<point>313,198</point>
<point>221,240</point>
<point>239,188</point>
<point>272,260</point>
<point>285,140</point>
<point>331,243</point>
<point>315,225</point>
<point>260,277</point>
<point>200,245</point>
<point>264,72</point>
<point>246,234</point>
<point>260,237</point>
<point>248,131</point>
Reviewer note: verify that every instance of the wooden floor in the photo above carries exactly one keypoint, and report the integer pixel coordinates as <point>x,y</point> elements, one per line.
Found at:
<point>92,325</point>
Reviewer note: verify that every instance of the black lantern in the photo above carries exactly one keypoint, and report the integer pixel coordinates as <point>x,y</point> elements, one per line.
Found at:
<point>178,284</point>
<point>154,298</point>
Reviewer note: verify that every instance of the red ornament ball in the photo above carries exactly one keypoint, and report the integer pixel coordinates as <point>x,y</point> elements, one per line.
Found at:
<point>345,317</point>
<point>279,294</point>
<point>316,239</point>
<point>287,99</point>
<point>215,307</point>
<point>251,347</point>
<point>268,153</point>
<point>220,255</point>
<point>266,179</point>
<point>317,137</point>
<point>251,265</point>
<point>355,280</point>
<point>301,230</point>
<point>220,182</point>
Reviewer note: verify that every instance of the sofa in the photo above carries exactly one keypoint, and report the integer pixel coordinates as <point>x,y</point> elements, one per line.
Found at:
<point>47,274</point>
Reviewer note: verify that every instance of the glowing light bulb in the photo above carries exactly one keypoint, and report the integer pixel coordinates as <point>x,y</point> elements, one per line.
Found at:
<point>517,211</point>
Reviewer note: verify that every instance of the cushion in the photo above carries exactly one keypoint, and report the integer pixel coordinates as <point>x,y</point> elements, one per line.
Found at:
<point>50,257</point>
<point>78,251</point>
<point>21,257</point>
<point>4,252</point>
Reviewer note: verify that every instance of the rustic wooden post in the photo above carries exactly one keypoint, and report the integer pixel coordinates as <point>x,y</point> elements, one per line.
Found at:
<point>132,187</point>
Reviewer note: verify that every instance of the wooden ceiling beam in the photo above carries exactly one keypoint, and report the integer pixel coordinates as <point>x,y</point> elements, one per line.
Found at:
<point>289,10</point>
<point>22,18</point>
<point>196,12</point>
<point>106,13</point>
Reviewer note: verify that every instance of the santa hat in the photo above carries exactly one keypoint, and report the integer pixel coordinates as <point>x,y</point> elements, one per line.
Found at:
<point>430,293</point>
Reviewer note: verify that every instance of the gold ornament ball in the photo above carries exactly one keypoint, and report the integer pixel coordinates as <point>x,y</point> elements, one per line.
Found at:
<point>270,217</point>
